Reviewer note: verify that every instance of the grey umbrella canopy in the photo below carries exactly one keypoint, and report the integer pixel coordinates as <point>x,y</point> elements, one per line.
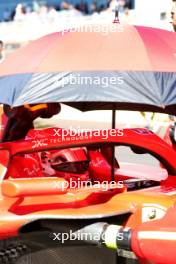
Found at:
<point>133,69</point>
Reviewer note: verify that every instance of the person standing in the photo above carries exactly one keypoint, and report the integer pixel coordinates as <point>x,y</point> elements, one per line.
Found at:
<point>173,15</point>
<point>20,119</point>
<point>1,51</point>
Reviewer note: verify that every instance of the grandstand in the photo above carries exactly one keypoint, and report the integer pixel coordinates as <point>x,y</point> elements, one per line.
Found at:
<point>7,7</point>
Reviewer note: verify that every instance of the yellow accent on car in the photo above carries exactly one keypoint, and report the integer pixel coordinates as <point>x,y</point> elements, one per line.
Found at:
<point>35,107</point>
<point>110,238</point>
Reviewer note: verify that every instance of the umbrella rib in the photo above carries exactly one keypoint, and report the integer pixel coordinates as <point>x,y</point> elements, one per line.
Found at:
<point>150,64</point>
<point>46,54</point>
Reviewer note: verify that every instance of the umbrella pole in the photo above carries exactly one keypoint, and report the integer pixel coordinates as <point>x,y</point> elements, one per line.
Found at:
<point>113,119</point>
<point>113,148</point>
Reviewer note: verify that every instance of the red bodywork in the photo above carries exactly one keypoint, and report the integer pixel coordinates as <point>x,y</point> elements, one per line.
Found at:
<point>161,234</point>
<point>31,192</point>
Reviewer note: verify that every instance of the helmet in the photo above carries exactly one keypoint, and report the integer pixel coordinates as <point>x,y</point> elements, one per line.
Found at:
<point>72,160</point>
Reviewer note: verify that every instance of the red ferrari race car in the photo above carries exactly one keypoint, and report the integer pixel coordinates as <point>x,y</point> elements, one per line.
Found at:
<point>53,184</point>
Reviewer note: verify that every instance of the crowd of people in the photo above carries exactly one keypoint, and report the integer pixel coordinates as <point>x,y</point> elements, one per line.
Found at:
<point>25,11</point>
